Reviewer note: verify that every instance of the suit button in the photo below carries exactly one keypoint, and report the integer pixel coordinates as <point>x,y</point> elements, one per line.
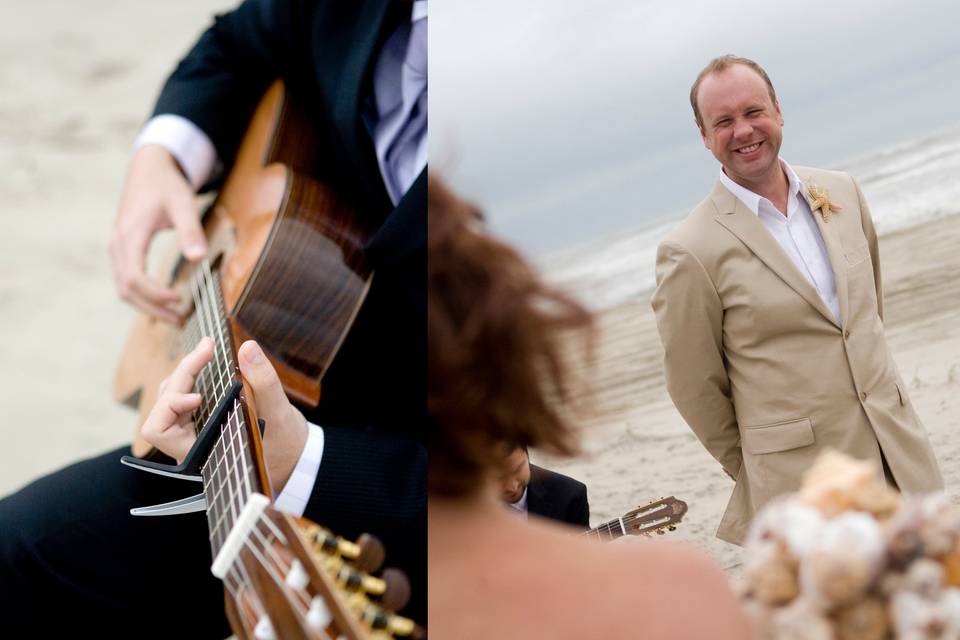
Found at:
<point>863,395</point>
<point>846,334</point>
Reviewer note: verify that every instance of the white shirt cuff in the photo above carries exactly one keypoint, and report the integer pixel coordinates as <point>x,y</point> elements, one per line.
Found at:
<point>186,142</point>
<point>295,495</point>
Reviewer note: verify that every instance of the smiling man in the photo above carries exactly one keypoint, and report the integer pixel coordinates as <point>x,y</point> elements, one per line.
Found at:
<point>770,308</point>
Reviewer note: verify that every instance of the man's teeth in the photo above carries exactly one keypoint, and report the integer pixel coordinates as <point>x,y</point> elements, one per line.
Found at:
<point>749,149</point>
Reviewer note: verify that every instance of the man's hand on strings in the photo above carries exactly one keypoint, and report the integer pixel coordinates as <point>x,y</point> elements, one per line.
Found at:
<point>156,196</point>
<point>286,428</point>
<point>169,427</point>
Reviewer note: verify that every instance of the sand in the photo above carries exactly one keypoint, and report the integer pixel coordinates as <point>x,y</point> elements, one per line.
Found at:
<point>77,81</point>
<point>645,451</point>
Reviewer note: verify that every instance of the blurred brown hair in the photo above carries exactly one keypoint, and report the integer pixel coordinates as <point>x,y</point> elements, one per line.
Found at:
<point>718,65</point>
<point>497,355</point>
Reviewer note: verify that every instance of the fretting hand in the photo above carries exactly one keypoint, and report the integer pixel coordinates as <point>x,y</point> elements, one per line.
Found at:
<point>169,428</point>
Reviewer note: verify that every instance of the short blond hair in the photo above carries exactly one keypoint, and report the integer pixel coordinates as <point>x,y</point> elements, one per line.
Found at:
<point>718,65</point>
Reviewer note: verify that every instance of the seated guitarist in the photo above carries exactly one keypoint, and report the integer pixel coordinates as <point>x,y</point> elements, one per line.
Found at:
<point>498,346</point>
<point>67,541</point>
<point>530,489</point>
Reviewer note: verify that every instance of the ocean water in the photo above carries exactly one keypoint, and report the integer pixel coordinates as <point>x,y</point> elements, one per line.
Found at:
<point>904,185</point>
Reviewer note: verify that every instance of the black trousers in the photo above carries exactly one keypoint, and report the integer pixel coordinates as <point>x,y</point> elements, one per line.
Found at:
<point>74,561</point>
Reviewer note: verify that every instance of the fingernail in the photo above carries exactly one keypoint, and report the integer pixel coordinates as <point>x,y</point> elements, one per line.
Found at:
<point>254,353</point>
<point>193,251</point>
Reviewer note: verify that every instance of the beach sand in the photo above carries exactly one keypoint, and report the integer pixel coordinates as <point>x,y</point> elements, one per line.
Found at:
<point>77,81</point>
<point>644,450</point>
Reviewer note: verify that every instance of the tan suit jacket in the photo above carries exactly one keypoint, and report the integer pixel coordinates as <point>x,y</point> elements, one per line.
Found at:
<point>758,366</point>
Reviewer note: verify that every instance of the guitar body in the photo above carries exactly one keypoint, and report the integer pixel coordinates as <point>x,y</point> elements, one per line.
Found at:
<point>289,253</point>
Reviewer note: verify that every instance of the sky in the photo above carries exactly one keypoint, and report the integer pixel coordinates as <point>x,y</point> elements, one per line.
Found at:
<point>569,122</point>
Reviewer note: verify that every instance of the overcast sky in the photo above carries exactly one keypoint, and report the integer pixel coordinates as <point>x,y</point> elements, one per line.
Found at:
<point>571,121</point>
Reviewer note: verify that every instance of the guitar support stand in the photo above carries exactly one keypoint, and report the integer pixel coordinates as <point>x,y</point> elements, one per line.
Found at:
<point>189,469</point>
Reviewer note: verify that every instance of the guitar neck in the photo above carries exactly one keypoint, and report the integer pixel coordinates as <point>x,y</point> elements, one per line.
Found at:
<point>656,517</point>
<point>610,530</point>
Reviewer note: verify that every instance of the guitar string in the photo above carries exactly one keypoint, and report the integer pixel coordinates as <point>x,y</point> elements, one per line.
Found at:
<point>211,320</point>
<point>213,504</point>
<point>223,485</point>
<point>242,467</point>
<point>279,561</point>
<point>246,582</point>
<point>214,296</point>
<point>203,383</point>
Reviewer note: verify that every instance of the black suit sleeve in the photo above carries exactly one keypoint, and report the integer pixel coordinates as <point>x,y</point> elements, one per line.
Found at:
<point>221,80</point>
<point>578,511</point>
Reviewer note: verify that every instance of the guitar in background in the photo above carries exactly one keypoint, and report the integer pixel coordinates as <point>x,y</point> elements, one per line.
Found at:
<point>657,517</point>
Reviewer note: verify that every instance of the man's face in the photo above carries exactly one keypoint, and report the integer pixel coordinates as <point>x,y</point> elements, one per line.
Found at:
<point>741,124</point>
<point>514,476</point>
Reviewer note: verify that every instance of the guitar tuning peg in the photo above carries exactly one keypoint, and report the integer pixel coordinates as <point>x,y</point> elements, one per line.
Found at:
<point>371,553</point>
<point>660,531</point>
<point>397,594</point>
<point>359,581</point>
<point>393,624</point>
<point>672,527</point>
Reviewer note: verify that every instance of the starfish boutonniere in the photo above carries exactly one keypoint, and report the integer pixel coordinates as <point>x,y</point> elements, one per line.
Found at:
<point>821,200</point>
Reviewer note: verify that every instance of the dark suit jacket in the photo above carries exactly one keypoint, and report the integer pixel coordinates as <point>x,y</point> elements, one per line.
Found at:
<point>373,406</point>
<point>558,497</point>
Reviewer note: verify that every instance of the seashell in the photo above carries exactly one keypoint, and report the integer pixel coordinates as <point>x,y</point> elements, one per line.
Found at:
<point>837,483</point>
<point>951,567</point>
<point>845,560</point>
<point>761,619</point>
<point>800,621</point>
<point>771,574</point>
<point>863,620</point>
<point>924,578</point>
<point>903,535</point>
<point>797,525</point>
<point>916,616</point>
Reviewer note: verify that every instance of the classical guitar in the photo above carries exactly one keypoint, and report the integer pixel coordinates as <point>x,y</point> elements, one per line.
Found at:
<point>657,517</point>
<point>285,267</point>
<point>284,577</point>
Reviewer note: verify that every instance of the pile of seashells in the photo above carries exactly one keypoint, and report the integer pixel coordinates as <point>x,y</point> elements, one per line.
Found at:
<point>848,558</point>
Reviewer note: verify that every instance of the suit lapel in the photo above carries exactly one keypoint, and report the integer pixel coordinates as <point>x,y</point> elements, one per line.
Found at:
<point>746,226</point>
<point>536,494</point>
<point>375,21</point>
<point>834,249</point>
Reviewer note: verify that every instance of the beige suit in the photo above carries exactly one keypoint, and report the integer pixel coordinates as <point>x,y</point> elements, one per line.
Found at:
<point>758,366</point>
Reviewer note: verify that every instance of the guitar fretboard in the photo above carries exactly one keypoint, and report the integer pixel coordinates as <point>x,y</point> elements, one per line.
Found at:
<point>608,530</point>
<point>229,473</point>
<point>229,477</point>
<point>210,319</point>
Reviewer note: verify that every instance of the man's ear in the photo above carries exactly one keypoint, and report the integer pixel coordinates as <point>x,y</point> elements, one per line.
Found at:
<point>776,105</point>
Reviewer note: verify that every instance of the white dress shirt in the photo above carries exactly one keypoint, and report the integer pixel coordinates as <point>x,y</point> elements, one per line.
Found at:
<point>520,506</point>
<point>397,123</point>
<point>797,233</point>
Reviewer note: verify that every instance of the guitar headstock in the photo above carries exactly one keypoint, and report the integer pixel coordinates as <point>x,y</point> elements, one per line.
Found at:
<point>657,517</point>
<point>299,580</point>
